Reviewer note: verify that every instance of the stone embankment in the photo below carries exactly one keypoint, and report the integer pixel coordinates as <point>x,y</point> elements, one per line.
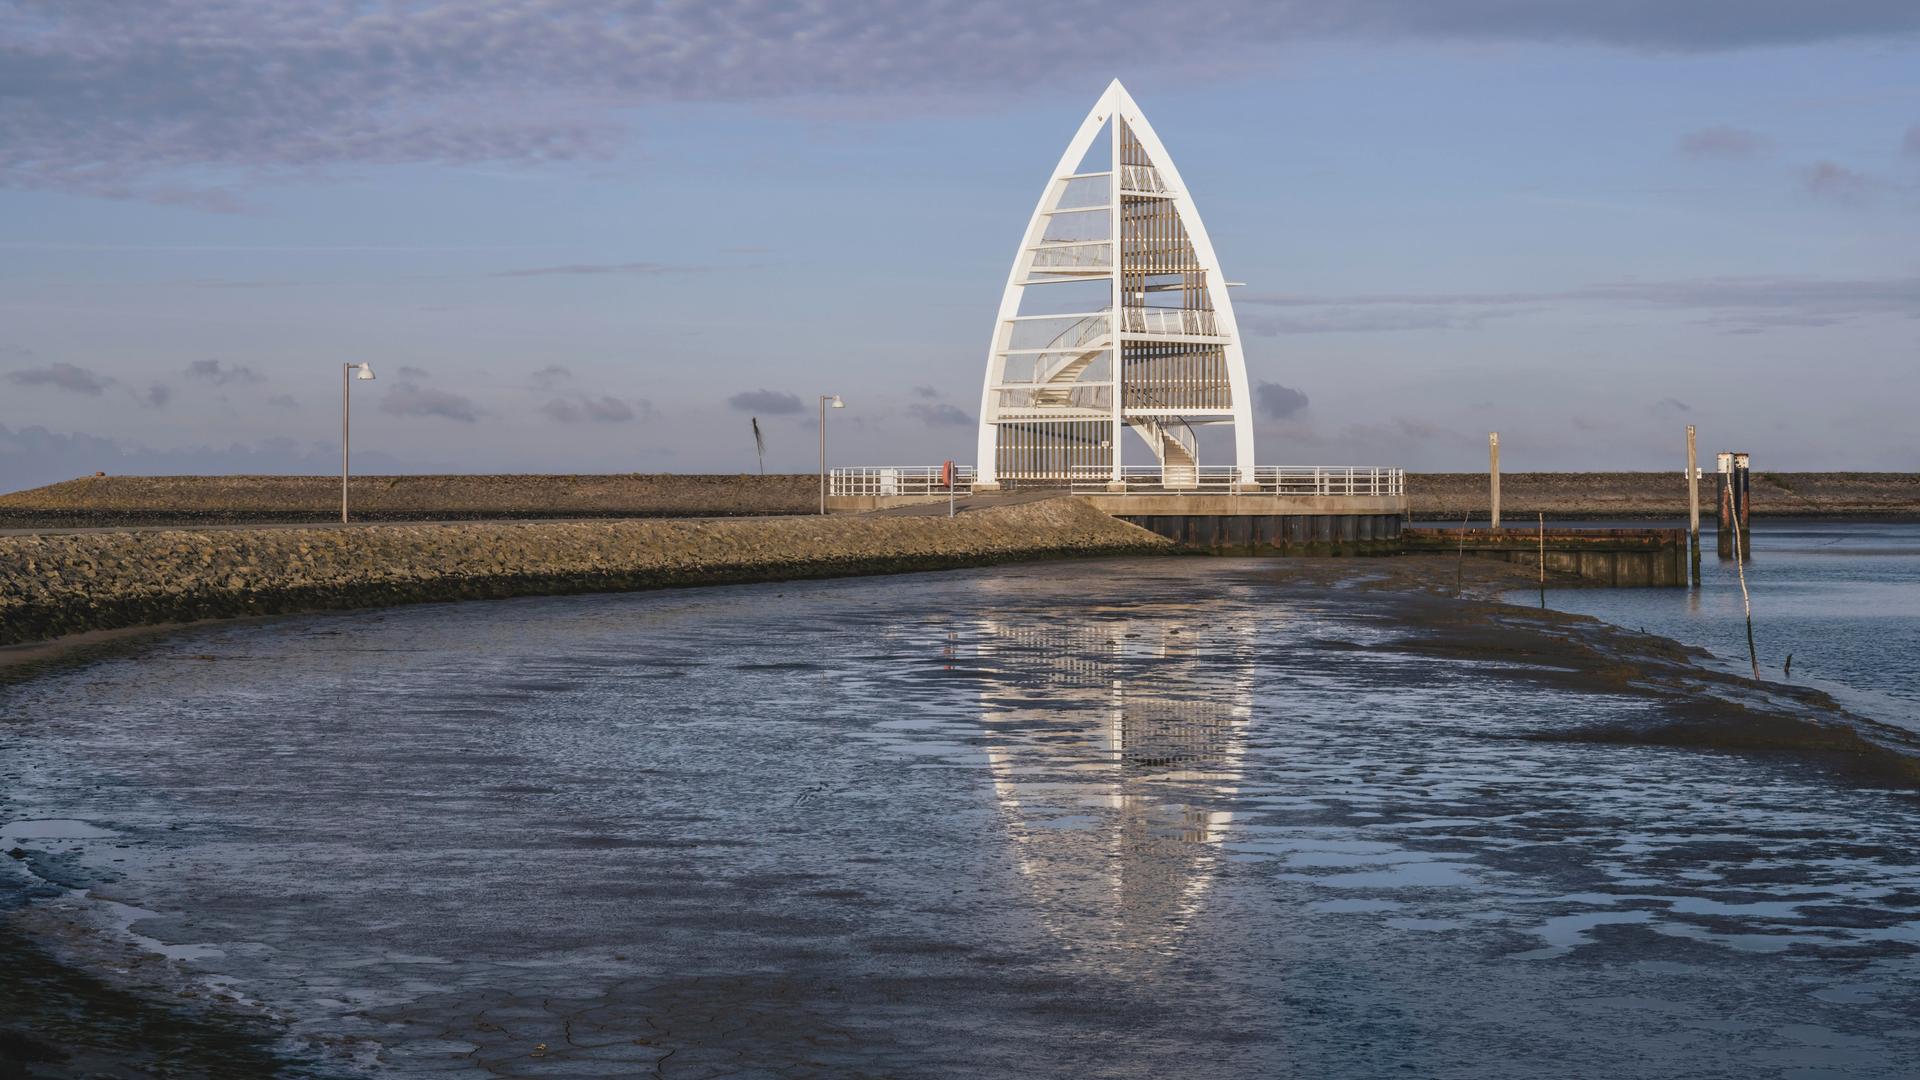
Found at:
<point>113,501</point>
<point>207,500</point>
<point>1446,496</point>
<point>64,583</point>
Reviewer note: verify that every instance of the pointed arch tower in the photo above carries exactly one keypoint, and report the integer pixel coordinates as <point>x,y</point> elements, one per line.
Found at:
<point>1115,318</point>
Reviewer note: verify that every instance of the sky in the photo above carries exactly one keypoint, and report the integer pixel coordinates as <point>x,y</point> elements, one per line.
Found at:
<point>607,236</point>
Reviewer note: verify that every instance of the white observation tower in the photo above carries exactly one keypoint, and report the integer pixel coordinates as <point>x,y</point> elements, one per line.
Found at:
<point>1115,317</point>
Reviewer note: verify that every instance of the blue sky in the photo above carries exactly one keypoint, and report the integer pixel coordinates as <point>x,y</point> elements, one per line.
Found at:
<point>600,236</point>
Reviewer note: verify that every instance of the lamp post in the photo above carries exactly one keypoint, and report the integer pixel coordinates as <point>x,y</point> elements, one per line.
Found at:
<point>826,400</point>
<point>346,374</point>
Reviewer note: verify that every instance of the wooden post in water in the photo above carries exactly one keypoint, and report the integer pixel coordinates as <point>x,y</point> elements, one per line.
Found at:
<point>1460,559</point>
<point>1723,485</point>
<point>1693,506</point>
<point>1735,498</point>
<point>1493,472</point>
<point>1543,558</point>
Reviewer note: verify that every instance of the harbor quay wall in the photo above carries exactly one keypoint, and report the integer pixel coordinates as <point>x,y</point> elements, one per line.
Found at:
<point>1620,558</point>
<point>1598,495</point>
<point>54,584</point>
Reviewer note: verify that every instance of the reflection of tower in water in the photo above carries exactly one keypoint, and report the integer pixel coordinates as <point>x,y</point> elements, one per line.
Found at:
<point>1110,741</point>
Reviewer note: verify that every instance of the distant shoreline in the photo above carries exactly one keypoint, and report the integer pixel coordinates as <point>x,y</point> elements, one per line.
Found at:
<point>121,501</point>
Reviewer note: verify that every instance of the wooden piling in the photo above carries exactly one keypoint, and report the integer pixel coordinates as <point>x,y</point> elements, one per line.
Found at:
<point>1543,559</point>
<point>1693,507</point>
<point>1736,491</point>
<point>1493,473</point>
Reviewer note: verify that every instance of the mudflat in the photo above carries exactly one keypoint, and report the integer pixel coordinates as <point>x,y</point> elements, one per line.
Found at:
<point>927,825</point>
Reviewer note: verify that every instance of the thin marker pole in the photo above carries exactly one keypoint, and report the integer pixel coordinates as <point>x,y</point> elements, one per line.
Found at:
<point>1543,558</point>
<point>345,431</point>
<point>1753,657</point>
<point>1493,472</point>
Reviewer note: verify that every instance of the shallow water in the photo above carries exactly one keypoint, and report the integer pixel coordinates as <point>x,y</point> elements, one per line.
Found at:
<point>1841,598</point>
<point>1110,819</point>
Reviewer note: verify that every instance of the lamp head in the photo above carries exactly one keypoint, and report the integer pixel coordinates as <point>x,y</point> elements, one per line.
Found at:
<point>366,372</point>
<point>837,403</point>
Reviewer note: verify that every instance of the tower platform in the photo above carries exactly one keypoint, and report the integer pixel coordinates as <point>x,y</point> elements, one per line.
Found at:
<point>1295,511</point>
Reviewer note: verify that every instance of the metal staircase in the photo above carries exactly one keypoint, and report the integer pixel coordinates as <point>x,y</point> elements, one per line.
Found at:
<point>1171,438</point>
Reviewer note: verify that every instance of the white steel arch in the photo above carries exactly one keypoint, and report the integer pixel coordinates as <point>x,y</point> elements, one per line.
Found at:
<point>1159,354</point>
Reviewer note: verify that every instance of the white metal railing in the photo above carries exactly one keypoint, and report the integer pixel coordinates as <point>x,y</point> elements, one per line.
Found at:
<point>1144,320</point>
<point>900,480</point>
<point>1302,480</point>
<point>1085,332</point>
<point>1141,178</point>
<point>1331,479</point>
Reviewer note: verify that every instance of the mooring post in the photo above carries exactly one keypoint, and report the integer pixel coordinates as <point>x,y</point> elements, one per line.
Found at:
<point>1725,519</point>
<point>1743,500</point>
<point>1493,473</point>
<point>1693,506</point>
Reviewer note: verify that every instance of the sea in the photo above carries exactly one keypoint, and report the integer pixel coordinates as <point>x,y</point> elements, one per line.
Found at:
<point>1835,605</point>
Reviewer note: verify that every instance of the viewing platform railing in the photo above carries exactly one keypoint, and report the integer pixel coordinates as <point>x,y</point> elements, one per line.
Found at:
<point>1302,480</point>
<point>900,480</point>
<point>1298,480</point>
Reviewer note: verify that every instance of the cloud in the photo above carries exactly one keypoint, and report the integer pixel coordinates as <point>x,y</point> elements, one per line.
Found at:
<point>15,352</point>
<point>1338,320</point>
<point>178,101</point>
<point>283,401</point>
<point>1745,302</point>
<point>62,377</point>
<point>925,392</point>
<point>1724,142</point>
<point>639,269</point>
<point>550,376</point>
<point>1277,402</point>
<point>157,395</point>
<point>1674,404</point>
<point>411,399</point>
<point>408,371</point>
<point>766,402</point>
<point>1837,182</point>
<point>220,375</point>
<point>940,414</point>
<point>600,410</point>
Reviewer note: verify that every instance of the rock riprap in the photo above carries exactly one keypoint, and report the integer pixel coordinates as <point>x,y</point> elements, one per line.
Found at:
<point>200,500</point>
<point>65,583</point>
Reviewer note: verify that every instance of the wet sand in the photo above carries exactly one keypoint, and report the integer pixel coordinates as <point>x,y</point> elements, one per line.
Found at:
<point>798,906</point>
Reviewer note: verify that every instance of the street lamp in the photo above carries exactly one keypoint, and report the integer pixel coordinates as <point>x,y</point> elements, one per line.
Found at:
<point>825,400</point>
<point>346,371</point>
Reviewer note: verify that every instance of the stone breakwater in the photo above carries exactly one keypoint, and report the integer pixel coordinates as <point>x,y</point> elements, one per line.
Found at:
<point>58,584</point>
<point>113,501</point>
<point>208,500</point>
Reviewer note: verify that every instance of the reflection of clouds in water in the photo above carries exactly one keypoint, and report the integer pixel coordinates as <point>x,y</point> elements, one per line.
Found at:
<point>1107,741</point>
